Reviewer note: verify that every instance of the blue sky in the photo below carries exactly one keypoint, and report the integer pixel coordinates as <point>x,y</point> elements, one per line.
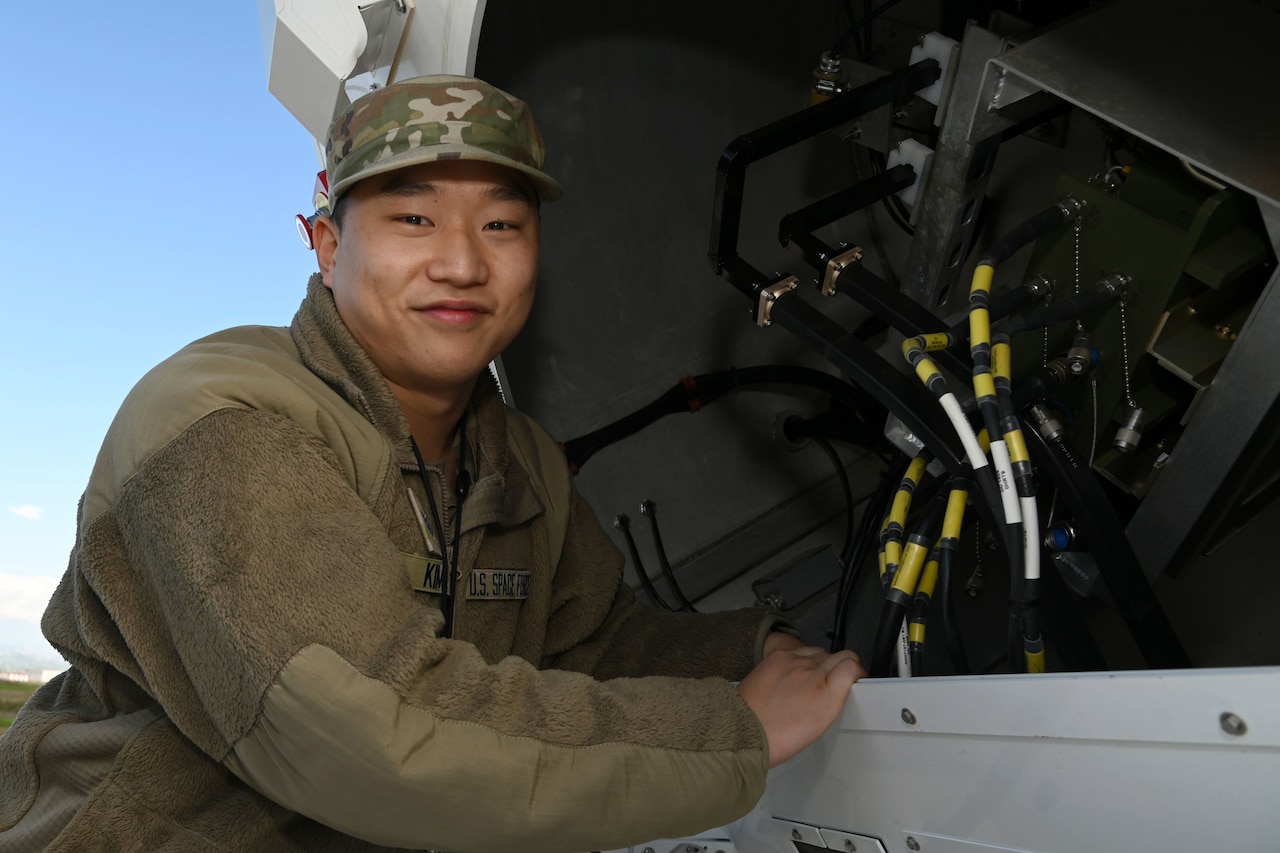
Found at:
<point>150,184</point>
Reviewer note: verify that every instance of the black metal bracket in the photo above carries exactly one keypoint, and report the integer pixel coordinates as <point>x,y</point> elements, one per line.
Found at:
<point>752,147</point>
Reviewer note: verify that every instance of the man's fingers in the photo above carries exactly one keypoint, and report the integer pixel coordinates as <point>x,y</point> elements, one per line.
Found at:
<point>845,672</point>
<point>837,658</point>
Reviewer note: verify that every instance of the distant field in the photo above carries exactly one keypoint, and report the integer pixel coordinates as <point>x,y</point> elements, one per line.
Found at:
<point>12,697</point>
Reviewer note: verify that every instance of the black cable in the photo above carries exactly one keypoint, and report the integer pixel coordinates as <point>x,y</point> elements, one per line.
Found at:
<point>696,391</point>
<point>853,23</point>
<point>649,510</point>
<point>622,521</point>
<point>868,534</point>
<point>951,631</point>
<point>894,609</point>
<point>866,19</point>
<point>843,476</point>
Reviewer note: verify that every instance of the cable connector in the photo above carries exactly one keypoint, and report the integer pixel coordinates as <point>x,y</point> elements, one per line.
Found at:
<point>1115,285</point>
<point>1039,286</point>
<point>1071,207</point>
<point>770,294</point>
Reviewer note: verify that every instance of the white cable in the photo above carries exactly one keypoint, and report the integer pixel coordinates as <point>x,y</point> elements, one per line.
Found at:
<point>1030,544</point>
<point>904,653</point>
<point>972,449</point>
<point>1004,479</point>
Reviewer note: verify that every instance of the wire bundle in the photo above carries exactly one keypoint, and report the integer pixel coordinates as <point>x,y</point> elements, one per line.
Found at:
<point>997,460</point>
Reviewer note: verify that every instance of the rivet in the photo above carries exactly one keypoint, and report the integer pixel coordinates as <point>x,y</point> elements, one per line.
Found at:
<point>1232,724</point>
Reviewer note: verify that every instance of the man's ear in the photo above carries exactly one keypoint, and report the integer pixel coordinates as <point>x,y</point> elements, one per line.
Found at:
<point>324,236</point>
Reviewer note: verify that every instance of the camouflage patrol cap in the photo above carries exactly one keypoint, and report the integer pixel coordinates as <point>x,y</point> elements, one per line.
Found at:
<point>426,119</point>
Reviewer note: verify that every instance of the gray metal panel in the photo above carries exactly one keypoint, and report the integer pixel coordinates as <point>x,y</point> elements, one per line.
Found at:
<point>1113,761</point>
<point>1232,429</point>
<point>636,102</point>
<point>1195,78</point>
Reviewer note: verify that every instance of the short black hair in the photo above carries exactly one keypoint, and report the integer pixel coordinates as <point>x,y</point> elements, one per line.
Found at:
<point>336,212</point>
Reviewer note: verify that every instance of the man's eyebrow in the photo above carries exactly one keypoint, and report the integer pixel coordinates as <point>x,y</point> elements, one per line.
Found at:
<point>510,192</point>
<point>406,188</point>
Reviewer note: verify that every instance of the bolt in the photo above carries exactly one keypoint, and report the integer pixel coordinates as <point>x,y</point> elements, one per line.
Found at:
<point>1232,725</point>
<point>912,844</point>
<point>908,717</point>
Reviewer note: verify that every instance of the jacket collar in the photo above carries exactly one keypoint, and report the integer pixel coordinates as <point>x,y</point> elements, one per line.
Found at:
<point>501,491</point>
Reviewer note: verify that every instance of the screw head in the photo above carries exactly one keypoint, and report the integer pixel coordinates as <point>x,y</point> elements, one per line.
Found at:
<point>1232,724</point>
<point>795,833</point>
<point>912,843</point>
<point>908,718</point>
<point>850,846</point>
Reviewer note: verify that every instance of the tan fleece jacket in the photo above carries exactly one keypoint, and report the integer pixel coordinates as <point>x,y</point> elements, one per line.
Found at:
<point>253,668</point>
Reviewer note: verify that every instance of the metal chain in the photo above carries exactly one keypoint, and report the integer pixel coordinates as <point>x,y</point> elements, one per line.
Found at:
<point>1077,229</point>
<point>1124,352</point>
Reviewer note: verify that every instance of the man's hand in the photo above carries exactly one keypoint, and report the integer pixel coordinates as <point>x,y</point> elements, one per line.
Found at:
<point>797,691</point>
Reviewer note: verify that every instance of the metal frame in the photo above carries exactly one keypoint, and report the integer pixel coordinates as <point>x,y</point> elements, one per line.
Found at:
<point>1127,63</point>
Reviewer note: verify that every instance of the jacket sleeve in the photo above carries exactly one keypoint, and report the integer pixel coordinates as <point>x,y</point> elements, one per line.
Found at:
<point>256,596</point>
<point>599,627</point>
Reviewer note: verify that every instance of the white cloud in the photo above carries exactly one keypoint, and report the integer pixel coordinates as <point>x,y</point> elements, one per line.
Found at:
<point>27,511</point>
<point>25,598</point>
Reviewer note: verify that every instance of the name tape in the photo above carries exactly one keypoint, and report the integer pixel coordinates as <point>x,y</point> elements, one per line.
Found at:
<point>426,574</point>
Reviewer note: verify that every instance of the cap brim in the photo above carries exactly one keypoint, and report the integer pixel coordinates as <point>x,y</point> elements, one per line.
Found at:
<point>548,188</point>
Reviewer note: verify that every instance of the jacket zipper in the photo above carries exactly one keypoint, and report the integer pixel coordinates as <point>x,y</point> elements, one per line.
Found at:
<point>448,549</point>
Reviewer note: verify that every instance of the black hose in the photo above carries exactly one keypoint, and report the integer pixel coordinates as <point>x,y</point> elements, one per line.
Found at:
<point>1056,312</point>
<point>1035,227</point>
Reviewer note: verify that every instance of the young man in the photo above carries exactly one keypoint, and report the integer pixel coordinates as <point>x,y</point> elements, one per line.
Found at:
<point>328,593</point>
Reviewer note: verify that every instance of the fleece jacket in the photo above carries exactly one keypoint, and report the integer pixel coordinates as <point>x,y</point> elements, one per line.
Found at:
<point>257,643</point>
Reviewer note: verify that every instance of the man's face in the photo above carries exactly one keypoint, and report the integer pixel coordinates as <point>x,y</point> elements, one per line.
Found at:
<point>434,270</point>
